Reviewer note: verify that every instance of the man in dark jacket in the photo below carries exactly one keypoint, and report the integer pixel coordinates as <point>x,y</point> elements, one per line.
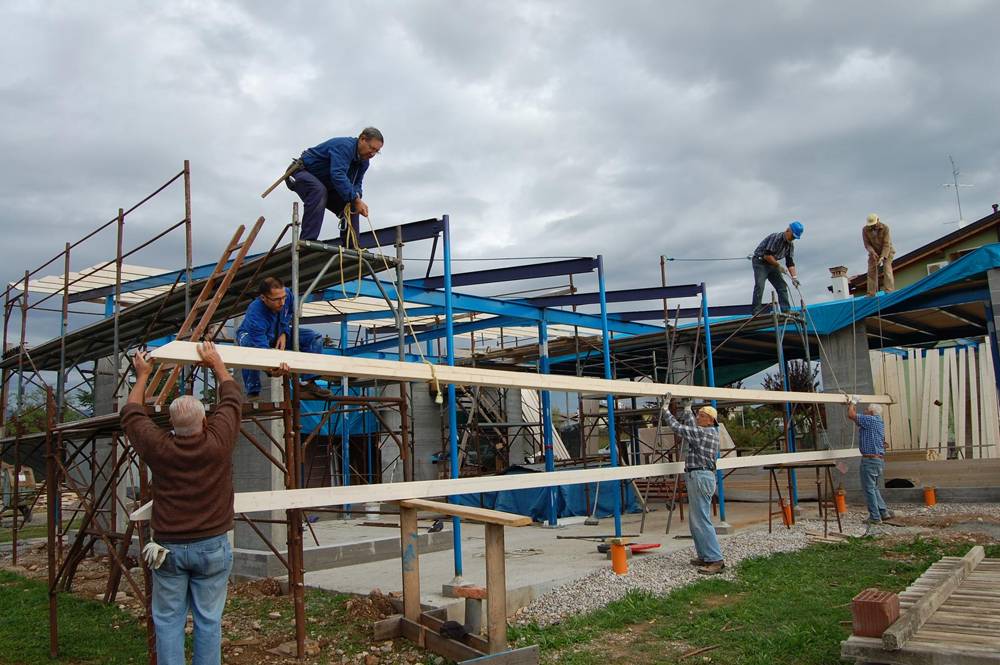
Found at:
<point>192,467</point>
<point>267,324</point>
<point>330,179</point>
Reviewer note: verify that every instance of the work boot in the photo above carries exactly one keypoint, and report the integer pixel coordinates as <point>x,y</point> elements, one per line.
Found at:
<point>872,522</point>
<point>698,561</point>
<point>309,390</point>
<point>712,568</point>
<point>887,514</point>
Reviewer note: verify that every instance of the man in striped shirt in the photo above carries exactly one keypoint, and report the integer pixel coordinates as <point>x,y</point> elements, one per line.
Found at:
<point>766,266</point>
<point>871,442</point>
<point>700,437</point>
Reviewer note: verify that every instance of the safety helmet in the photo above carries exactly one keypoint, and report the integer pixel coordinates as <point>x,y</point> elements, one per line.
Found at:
<point>796,228</point>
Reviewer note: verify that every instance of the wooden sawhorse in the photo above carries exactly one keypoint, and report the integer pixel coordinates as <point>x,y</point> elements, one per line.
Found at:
<point>824,491</point>
<point>423,628</point>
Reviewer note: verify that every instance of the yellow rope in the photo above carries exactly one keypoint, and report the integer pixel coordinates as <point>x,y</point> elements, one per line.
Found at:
<point>350,236</point>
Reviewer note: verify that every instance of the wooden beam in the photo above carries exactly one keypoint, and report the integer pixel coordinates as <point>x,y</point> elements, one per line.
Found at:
<point>896,635</point>
<point>483,515</point>
<point>409,541</point>
<point>314,497</point>
<point>367,368</point>
<point>496,589</point>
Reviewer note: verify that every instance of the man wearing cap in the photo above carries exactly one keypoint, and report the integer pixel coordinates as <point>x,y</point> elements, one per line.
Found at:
<point>766,266</point>
<point>700,437</point>
<point>878,242</point>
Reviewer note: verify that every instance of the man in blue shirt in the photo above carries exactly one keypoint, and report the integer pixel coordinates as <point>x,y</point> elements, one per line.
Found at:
<point>330,179</point>
<point>267,324</point>
<point>871,442</point>
<point>766,267</point>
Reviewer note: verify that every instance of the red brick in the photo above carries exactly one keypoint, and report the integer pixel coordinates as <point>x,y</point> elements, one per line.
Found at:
<point>874,610</point>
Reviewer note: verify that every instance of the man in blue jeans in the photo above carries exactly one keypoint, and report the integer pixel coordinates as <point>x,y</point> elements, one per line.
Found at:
<point>192,467</point>
<point>700,436</point>
<point>767,267</point>
<point>871,442</point>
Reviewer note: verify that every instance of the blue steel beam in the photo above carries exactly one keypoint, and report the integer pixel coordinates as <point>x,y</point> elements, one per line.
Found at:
<point>434,333</point>
<point>685,313</point>
<point>366,316</point>
<point>624,295</point>
<point>466,303</point>
<point>511,274</point>
<point>411,231</point>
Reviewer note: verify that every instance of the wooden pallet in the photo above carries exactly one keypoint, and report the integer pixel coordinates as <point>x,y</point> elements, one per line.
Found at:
<point>951,614</point>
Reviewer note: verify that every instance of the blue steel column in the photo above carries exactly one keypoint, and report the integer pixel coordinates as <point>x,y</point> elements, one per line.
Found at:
<point>710,380</point>
<point>456,523</point>
<point>779,331</point>
<point>550,463</point>
<point>345,430</point>
<point>606,348</point>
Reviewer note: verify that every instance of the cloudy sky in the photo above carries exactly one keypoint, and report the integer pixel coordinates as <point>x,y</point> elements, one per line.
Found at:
<point>631,129</point>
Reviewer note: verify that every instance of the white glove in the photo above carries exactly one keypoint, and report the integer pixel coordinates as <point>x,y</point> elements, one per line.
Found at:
<point>853,399</point>
<point>154,554</point>
<point>666,401</point>
<point>795,282</point>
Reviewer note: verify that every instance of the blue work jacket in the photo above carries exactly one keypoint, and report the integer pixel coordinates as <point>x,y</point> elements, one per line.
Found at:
<point>261,327</point>
<point>338,167</point>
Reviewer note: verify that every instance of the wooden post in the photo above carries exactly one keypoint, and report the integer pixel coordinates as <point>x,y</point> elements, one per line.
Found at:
<point>496,589</point>
<point>408,542</point>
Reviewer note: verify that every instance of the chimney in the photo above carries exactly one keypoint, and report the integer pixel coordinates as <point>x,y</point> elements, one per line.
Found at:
<point>840,288</point>
<point>995,206</point>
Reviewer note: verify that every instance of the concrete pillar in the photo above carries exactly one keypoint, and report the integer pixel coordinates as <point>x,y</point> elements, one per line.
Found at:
<point>522,443</point>
<point>105,382</point>
<point>680,368</point>
<point>427,429</point>
<point>391,473</point>
<point>845,367</point>
<point>253,472</point>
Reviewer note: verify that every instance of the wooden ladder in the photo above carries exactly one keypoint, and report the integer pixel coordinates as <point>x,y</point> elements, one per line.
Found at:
<point>203,308</point>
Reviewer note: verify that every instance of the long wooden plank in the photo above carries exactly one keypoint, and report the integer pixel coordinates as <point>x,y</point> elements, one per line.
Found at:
<point>367,368</point>
<point>907,624</point>
<point>313,497</point>
<point>484,515</point>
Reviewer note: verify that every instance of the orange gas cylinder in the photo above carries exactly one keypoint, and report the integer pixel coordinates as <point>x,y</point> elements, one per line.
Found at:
<point>619,557</point>
<point>840,500</point>
<point>930,498</point>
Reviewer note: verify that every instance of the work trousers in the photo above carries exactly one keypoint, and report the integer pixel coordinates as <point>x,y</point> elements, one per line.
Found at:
<point>700,490</point>
<point>316,200</point>
<point>764,272</point>
<point>888,282</point>
<point>310,341</point>
<point>194,576</point>
<point>872,469</point>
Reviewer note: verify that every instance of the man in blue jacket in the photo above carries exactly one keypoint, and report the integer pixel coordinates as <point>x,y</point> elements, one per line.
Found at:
<point>331,177</point>
<point>267,324</point>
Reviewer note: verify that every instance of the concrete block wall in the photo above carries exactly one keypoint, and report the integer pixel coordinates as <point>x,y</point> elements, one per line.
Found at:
<point>845,367</point>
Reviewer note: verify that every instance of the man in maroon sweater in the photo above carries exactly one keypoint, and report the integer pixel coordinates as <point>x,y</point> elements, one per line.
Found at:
<point>192,471</point>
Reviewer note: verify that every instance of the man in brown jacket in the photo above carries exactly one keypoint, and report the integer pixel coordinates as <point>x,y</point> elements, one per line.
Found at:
<point>192,471</point>
<point>878,242</point>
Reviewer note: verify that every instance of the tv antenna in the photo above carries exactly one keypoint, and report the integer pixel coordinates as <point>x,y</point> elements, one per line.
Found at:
<point>954,174</point>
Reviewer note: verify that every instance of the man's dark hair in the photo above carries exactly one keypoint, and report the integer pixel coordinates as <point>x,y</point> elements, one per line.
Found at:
<point>371,134</point>
<point>269,284</point>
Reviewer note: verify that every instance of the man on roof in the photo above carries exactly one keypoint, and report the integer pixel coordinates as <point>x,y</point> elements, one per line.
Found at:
<point>767,267</point>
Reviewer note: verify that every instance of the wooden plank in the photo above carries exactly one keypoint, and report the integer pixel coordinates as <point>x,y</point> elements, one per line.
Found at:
<point>959,399</point>
<point>869,650</point>
<point>388,628</point>
<point>428,639</point>
<point>895,636</point>
<point>496,588</point>
<point>434,623</point>
<point>523,656</point>
<point>974,399</point>
<point>367,368</point>
<point>483,515</point>
<point>248,502</point>
<point>946,382</point>
<point>409,542</point>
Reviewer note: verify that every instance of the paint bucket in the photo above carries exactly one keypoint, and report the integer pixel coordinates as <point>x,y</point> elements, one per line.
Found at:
<point>619,558</point>
<point>840,500</point>
<point>930,498</point>
<point>786,513</point>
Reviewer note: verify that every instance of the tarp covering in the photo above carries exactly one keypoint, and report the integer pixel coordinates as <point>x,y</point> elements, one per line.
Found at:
<point>571,500</point>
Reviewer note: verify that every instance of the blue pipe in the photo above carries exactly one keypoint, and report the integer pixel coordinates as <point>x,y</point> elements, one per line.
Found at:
<point>550,463</point>
<point>456,523</point>
<point>793,478</point>
<point>606,348</point>
<point>710,379</point>
<point>345,430</point>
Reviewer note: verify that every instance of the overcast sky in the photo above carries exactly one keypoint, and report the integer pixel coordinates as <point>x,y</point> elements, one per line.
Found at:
<point>630,129</point>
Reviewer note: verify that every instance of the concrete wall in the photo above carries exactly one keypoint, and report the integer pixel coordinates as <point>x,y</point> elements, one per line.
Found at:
<point>426,419</point>
<point>845,367</point>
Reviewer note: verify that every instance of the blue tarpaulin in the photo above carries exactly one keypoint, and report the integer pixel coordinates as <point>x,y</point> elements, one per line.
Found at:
<point>571,500</point>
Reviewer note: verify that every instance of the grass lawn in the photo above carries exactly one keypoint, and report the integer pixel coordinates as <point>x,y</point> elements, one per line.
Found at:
<point>786,608</point>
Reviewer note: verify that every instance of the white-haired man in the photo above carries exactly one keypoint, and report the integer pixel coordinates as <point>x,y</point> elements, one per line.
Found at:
<point>192,471</point>
<point>700,437</point>
<point>871,442</point>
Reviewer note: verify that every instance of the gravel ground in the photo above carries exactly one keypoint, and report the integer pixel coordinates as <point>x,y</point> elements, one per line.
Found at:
<point>661,573</point>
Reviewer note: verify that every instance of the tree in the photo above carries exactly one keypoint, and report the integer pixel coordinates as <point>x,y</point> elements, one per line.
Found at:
<point>802,377</point>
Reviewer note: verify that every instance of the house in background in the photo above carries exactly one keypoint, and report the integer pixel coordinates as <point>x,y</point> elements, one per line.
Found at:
<point>914,266</point>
